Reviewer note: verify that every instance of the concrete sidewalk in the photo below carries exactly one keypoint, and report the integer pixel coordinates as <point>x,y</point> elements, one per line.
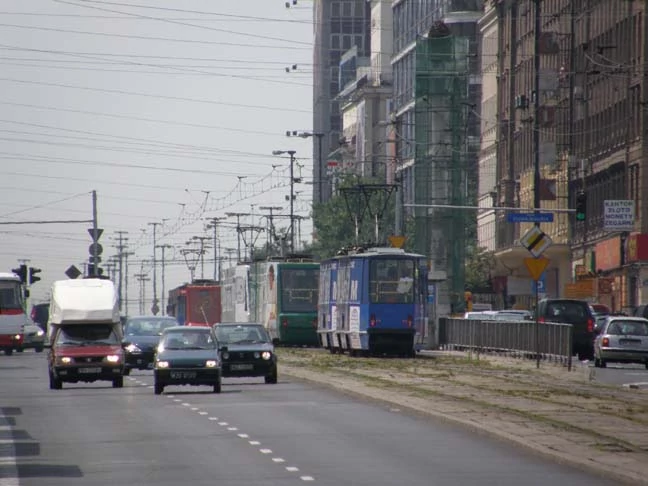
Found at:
<point>555,412</point>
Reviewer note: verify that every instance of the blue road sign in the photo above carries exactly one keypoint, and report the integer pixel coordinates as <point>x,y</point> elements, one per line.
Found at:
<point>541,284</point>
<point>530,217</point>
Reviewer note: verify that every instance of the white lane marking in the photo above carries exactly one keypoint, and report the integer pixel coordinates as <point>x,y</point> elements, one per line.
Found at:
<point>213,418</point>
<point>144,384</point>
<point>171,396</point>
<point>232,428</point>
<point>150,386</point>
<point>277,459</point>
<point>185,404</point>
<point>307,478</point>
<point>394,409</point>
<point>203,413</point>
<point>255,442</point>
<point>177,400</point>
<point>223,423</point>
<point>243,436</point>
<point>292,469</point>
<point>265,451</point>
<point>193,409</point>
<point>638,384</point>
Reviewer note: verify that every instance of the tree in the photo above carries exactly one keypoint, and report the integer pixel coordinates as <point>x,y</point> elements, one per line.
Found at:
<point>479,264</point>
<point>334,223</point>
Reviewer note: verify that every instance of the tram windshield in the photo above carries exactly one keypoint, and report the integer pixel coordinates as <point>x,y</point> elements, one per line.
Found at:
<point>392,281</point>
<point>299,289</point>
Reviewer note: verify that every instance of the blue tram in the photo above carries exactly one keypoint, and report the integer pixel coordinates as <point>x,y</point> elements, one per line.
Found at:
<point>373,301</point>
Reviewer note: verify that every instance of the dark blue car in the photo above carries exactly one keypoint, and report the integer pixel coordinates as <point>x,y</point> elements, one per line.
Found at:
<point>141,337</point>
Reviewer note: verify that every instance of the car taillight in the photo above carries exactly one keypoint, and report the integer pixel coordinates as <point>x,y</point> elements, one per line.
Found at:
<point>605,341</point>
<point>541,319</point>
<point>372,320</point>
<point>284,323</point>
<point>410,320</point>
<point>590,325</point>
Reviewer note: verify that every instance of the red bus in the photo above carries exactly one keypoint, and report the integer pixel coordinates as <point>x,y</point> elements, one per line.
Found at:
<point>196,304</point>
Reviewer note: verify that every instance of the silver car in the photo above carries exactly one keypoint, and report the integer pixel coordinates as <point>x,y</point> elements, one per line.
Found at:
<point>621,339</point>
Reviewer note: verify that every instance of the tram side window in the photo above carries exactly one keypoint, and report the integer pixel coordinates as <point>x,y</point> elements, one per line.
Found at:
<point>392,281</point>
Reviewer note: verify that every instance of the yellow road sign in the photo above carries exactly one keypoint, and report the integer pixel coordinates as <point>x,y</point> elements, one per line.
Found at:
<point>397,241</point>
<point>536,266</point>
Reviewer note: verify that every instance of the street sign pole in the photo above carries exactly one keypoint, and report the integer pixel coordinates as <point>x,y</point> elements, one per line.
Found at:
<point>537,327</point>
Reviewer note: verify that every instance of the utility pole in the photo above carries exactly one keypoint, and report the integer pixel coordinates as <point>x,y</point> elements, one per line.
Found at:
<point>536,146</point>
<point>126,254</point>
<point>95,232</point>
<point>155,308</point>
<point>269,224</point>
<point>120,248</point>
<point>292,193</point>
<point>142,296</point>
<point>213,224</point>
<point>320,162</point>
<point>162,248</point>
<point>201,251</point>
<point>238,231</point>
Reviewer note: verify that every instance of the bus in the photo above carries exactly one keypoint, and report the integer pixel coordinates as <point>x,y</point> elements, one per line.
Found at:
<point>196,304</point>
<point>374,302</point>
<point>12,313</point>
<point>284,294</point>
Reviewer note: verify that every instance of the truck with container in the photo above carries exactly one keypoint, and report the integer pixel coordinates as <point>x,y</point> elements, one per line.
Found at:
<point>196,304</point>
<point>12,313</point>
<point>85,333</point>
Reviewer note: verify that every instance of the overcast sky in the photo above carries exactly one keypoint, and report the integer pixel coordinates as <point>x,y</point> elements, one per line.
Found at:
<point>158,105</point>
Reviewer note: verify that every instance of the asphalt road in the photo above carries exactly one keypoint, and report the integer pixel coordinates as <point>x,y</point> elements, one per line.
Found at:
<point>252,434</point>
<point>633,375</point>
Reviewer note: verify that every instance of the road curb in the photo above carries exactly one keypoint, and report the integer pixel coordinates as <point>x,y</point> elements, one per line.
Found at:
<point>585,464</point>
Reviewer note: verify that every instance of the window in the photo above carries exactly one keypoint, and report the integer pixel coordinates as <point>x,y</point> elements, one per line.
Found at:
<point>10,295</point>
<point>392,281</point>
<point>87,333</point>
<point>299,289</point>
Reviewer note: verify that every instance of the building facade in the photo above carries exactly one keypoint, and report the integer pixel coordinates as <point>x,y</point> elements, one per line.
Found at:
<point>588,135</point>
<point>338,26</point>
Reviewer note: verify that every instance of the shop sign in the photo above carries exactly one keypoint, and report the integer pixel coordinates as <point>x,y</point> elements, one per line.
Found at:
<point>618,215</point>
<point>608,254</point>
<point>637,248</point>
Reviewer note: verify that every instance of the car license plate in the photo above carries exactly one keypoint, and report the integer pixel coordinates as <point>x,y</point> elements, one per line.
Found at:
<point>629,341</point>
<point>89,370</point>
<point>241,367</point>
<point>183,374</point>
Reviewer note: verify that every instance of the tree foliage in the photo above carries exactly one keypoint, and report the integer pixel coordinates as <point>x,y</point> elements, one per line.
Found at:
<point>479,266</point>
<point>334,220</point>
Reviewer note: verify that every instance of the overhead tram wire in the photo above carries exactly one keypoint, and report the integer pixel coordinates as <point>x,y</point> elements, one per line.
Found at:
<point>147,95</point>
<point>166,39</point>
<point>184,24</point>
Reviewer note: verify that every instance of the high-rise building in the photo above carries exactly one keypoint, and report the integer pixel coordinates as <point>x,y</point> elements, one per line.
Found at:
<point>436,104</point>
<point>338,26</point>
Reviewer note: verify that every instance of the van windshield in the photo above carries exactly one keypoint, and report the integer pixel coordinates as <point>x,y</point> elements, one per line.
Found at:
<point>10,295</point>
<point>87,335</point>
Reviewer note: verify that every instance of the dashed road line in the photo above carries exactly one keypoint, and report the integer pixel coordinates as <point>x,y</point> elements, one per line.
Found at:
<point>223,424</point>
<point>265,451</point>
<point>255,442</point>
<point>185,404</point>
<point>292,469</point>
<point>203,413</point>
<point>232,428</point>
<point>213,418</point>
<point>243,436</point>
<point>194,409</point>
<point>177,400</point>
<point>307,478</point>
<point>277,459</point>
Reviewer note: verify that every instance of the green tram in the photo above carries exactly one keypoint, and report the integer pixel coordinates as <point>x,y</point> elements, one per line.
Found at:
<point>280,293</point>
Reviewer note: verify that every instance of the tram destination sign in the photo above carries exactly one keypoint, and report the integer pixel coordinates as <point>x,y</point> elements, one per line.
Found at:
<point>618,215</point>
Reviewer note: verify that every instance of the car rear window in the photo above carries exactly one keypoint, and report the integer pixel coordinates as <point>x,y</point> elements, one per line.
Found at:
<point>629,328</point>
<point>568,312</point>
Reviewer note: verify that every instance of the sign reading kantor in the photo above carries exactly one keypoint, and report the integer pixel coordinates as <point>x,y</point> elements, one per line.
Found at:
<point>618,215</point>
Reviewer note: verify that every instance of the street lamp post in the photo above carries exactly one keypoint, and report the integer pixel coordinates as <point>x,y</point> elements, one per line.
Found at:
<point>320,163</point>
<point>292,194</point>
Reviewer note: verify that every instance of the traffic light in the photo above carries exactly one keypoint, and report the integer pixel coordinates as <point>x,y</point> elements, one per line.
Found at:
<point>581,206</point>
<point>32,275</point>
<point>21,271</point>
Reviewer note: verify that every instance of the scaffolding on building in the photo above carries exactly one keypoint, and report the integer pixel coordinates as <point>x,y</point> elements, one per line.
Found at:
<point>442,161</point>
